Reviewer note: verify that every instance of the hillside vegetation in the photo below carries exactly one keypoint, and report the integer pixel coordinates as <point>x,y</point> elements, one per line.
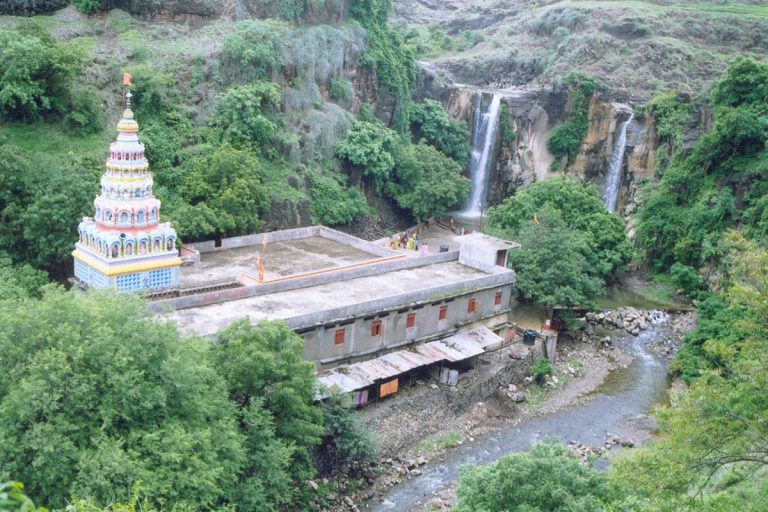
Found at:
<point>635,47</point>
<point>248,125</point>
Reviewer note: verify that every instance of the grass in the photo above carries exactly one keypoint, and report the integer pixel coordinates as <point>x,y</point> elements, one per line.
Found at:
<point>53,140</point>
<point>710,8</point>
<point>443,442</point>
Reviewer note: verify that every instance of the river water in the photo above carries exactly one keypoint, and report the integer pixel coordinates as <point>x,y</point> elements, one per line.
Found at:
<point>617,407</point>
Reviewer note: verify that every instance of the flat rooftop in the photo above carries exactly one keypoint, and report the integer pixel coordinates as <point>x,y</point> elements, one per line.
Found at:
<point>280,259</point>
<point>211,319</point>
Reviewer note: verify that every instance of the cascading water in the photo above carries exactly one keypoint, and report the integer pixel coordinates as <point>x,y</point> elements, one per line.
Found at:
<point>613,182</point>
<point>483,144</point>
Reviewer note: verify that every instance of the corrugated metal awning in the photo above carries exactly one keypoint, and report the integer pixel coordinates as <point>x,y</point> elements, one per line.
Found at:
<point>462,345</point>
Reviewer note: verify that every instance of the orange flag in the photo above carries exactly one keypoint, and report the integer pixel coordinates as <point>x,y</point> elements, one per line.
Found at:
<point>127,79</point>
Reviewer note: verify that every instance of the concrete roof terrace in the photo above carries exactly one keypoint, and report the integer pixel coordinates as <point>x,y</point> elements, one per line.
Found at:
<point>333,297</point>
<point>283,258</point>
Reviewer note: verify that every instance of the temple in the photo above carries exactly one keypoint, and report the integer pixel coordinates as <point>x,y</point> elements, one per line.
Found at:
<point>124,246</point>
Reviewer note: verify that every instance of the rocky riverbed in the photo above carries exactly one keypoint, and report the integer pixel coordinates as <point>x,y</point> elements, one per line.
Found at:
<point>426,423</point>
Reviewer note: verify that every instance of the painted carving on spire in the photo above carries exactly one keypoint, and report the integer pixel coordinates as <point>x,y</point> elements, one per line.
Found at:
<point>124,246</point>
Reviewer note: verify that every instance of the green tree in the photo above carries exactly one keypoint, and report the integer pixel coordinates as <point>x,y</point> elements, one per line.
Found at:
<point>95,396</point>
<point>547,479</point>
<point>264,366</point>
<point>223,194</point>
<point>36,73</point>
<point>368,148</point>
<point>601,235</point>
<point>430,122</point>
<point>346,439</point>
<point>427,182</point>
<point>713,451</point>
<point>551,264</point>
<point>247,115</point>
<point>334,203</point>
<point>564,140</point>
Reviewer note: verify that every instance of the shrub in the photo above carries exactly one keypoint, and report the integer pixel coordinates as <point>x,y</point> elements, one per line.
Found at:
<point>430,122</point>
<point>565,140</point>
<point>253,51</point>
<point>341,90</point>
<point>88,6</point>
<point>333,203</point>
<point>247,115</point>
<point>540,370</point>
<point>36,73</point>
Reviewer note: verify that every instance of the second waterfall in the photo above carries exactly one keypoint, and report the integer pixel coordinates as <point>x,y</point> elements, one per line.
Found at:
<point>484,135</point>
<point>613,181</point>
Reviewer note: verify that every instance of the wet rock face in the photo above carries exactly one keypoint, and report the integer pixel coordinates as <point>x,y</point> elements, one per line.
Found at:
<point>30,7</point>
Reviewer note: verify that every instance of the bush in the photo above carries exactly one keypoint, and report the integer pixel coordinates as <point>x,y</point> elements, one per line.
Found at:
<point>541,370</point>
<point>88,6</point>
<point>36,73</point>
<point>687,278</point>
<point>341,90</point>
<point>253,52</point>
<point>84,116</point>
<point>247,115</point>
<point>346,439</point>
<point>547,478</point>
<point>565,140</point>
<point>334,204</point>
<point>430,122</point>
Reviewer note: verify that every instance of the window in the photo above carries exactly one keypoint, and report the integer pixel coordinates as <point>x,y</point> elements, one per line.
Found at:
<point>410,320</point>
<point>497,299</point>
<point>339,338</point>
<point>443,313</point>
<point>376,328</point>
<point>472,306</point>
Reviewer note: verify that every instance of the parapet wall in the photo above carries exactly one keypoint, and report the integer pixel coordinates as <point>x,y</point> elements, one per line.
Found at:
<point>292,234</point>
<point>303,281</point>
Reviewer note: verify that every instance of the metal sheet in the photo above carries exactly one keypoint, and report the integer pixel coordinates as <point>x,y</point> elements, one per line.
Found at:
<point>460,346</point>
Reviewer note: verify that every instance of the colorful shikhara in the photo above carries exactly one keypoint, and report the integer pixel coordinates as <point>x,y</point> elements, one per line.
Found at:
<point>124,246</point>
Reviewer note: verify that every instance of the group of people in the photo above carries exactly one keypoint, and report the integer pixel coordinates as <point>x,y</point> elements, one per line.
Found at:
<point>405,241</point>
<point>409,241</point>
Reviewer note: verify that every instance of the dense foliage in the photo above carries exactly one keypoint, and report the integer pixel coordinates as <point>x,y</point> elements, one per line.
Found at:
<point>36,73</point>
<point>429,121</point>
<point>96,396</point>
<point>713,453</point>
<point>565,140</point>
<point>721,183</point>
<point>41,205</point>
<point>427,182</point>
<point>418,177</point>
<point>570,244</point>
<point>548,478</point>
<point>387,54</point>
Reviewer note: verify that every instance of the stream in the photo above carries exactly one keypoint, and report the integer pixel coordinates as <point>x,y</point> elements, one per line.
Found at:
<point>619,406</point>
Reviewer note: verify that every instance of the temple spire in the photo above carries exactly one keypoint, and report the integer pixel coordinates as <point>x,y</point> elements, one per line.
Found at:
<point>125,246</point>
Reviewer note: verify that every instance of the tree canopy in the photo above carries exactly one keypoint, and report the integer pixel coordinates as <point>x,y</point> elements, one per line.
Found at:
<point>570,244</point>
<point>548,478</point>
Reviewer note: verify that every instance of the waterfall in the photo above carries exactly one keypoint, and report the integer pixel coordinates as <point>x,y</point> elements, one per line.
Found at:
<point>613,182</point>
<point>484,134</point>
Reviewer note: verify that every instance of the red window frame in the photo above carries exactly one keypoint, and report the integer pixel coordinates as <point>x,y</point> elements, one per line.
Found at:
<point>376,328</point>
<point>339,337</point>
<point>471,305</point>
<point>410,320</point>
<point>443,313</point>
<point>497,299</point>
